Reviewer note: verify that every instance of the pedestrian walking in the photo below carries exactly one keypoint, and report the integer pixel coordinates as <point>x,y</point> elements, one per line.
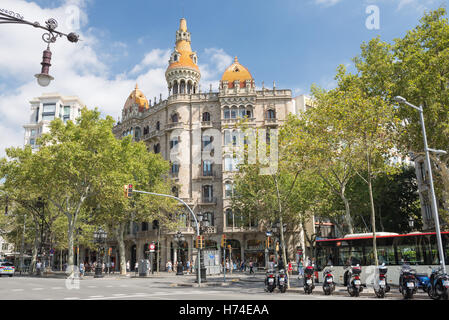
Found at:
<point>128,266</point>
<point>188,266</point>
<point>113,267</point>
<point>251,267</point>
<point>290,268</point>
<point>136,267</point>
<point>169,266</point>
<point>82,269</point>
<point>38,267</point>
<point>300,268</point>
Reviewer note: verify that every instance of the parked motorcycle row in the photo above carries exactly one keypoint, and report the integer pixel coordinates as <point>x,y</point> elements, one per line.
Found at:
<point>436,285</point>
<point>273,280</point>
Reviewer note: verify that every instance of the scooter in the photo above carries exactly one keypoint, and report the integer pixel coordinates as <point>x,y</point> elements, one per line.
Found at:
<point>355,284</point>
<point>423,281</point>
<point>270,281</point>
<point>407,282</point>
<point>438,286</point>
<point>381,287</point>
<point>328,281</point>
<point>308,280</point>
<point>282,281</point>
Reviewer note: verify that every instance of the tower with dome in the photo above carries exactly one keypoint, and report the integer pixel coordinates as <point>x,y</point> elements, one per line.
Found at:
<point>193,130</point>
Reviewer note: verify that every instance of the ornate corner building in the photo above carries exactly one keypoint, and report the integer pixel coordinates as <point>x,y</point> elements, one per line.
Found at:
<point>184,126</point>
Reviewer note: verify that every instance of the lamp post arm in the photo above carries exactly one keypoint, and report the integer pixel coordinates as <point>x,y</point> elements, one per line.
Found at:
<point>194,217</point>
<point>10,17</point>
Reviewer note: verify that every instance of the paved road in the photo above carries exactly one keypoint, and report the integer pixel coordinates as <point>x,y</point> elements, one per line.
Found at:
<point>158,288</point>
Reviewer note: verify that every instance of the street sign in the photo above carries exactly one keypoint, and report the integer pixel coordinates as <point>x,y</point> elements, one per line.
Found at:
<point>152,247</point>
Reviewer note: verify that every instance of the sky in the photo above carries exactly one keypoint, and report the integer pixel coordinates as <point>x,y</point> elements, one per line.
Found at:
<point>295,43</point>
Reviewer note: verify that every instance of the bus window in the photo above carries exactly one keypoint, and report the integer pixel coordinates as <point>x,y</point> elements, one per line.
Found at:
<point>406,248</point>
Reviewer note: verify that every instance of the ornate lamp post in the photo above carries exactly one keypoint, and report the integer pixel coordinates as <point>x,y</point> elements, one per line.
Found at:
<point>99,239</point>
<point>204,223</point>
<point>10,17</point>
<point>179,237</point>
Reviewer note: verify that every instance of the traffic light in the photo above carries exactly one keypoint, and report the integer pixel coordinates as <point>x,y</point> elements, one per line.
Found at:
<point>223,241</point>
<point>128,190</point>
<point>267,242</point>
<point>200,242</point>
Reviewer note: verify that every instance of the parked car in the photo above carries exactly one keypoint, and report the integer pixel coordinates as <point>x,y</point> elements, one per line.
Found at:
<point>7,268</point>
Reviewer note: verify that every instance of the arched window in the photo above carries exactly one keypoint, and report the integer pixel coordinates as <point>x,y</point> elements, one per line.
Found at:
<point>210,217</point>
<point>226,113</point>
<point>157,148</point>
<point>174,168</point>
<point>189,87</point>
<point>158,126</point>
<point>228,189</point>
<point>229,218</point>
<point>175,87</point>
<point>271,114</point>
<point>182,87</point>
<point>174,117</point>
<point>233,112</point>
<point>242,112</point>
<point>206,116</point>
<point>175,191</point>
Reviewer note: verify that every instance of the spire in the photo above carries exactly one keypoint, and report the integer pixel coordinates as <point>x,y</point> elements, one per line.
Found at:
<point>183,25</point>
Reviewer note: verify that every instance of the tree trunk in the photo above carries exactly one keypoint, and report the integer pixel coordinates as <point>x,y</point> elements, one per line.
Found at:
<point>348,217</point>
<point>373,212</point>
<point>35,246</point>
<point>119,231</point>
<point>70,253</point>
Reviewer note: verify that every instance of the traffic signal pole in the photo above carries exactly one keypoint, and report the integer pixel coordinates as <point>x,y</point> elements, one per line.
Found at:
<point>194,217</point>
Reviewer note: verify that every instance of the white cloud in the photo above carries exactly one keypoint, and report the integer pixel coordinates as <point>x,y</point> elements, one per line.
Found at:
<point>326,3</point>
<point>79,69</point>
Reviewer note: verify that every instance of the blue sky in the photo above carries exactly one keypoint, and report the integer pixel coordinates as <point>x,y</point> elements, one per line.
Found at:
<point>293,42</point>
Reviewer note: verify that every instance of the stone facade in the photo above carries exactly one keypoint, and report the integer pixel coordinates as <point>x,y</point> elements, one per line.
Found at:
<point>193,130</point>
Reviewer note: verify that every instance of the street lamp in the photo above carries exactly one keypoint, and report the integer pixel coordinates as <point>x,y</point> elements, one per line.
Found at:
<point>411,222</point>
<point>99,239</point>
<point>10,17</point>
<point>429,169</point>
<point>180,239</point>
<point>204,223</point>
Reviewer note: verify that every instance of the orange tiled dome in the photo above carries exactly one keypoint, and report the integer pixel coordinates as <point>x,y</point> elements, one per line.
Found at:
<point>185,54</point>
<point>236,72</point>
<point>137,96</point>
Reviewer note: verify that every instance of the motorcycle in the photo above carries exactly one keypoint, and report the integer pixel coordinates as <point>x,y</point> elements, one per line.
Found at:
<point>270,281</point>
<point>355,284</point>
<point>308,280</point>
<point>328,281</point>
<point>422,281</point>
<point>282,281</point>
<point>438,286</point>
<point>382,286</point>
<point>407,282</point>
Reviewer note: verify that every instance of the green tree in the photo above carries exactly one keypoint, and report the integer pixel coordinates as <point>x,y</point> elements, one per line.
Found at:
<point>146,171</point>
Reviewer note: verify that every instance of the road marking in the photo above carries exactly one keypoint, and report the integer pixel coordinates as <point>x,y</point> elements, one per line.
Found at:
<point>118,294</point>
<point>96,296</point>
<point>35,289</point>
<point>16,290</point>
<point>72,298</point>
<point>57,288</point>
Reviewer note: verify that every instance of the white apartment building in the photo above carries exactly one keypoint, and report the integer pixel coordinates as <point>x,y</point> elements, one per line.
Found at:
<point>46,108</point>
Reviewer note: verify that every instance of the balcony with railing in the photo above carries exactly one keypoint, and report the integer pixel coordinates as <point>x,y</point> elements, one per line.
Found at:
<point>208,200</point>
<point>174,125</point>
<point>270,122</point>
<point>206,124</point>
